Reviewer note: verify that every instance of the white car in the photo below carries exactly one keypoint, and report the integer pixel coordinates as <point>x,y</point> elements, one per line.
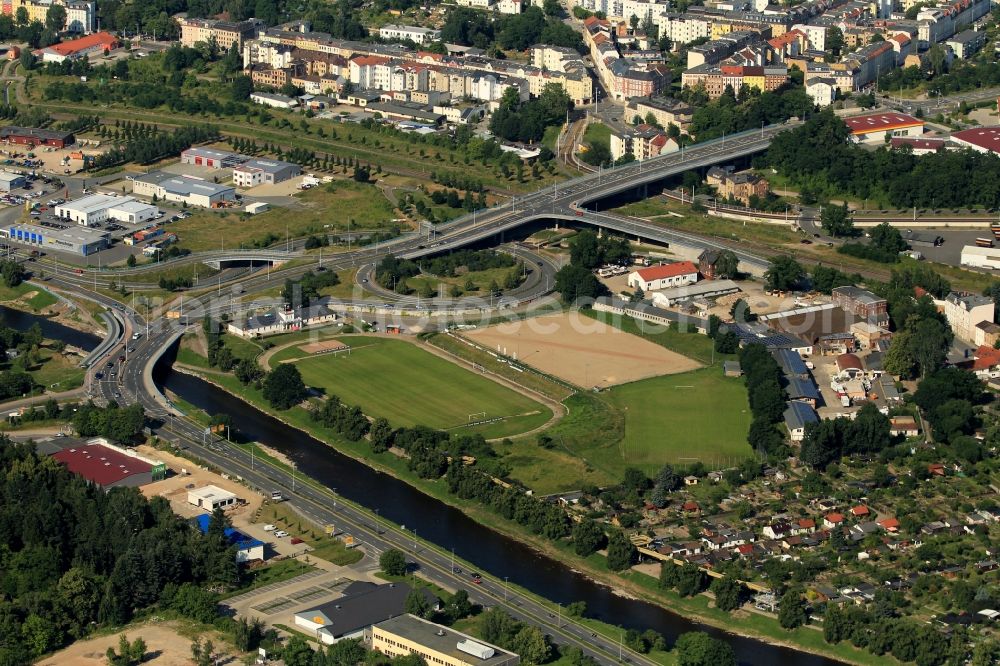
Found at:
<point>281,533</point>
<point>269,528</point>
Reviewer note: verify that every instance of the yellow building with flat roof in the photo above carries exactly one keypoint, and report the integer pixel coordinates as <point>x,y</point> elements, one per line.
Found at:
<point>435,644</point>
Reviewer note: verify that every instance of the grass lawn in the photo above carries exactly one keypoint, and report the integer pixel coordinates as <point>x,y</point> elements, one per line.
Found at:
<point>64,372</point>
<point>480,280</point>
<point>41,300</point>
<point>331,207</point>
<point>324,547</point>
<point>698,415</point>
<point>597,133</point>
<point>409,386</point>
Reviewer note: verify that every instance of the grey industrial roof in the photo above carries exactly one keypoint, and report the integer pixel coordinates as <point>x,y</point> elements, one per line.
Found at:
<point>268,166</point>
<point>10,176</point>
<point>362,605</point>
<point>74,234</point>
<point>858,294</point>
<point>441,639</point>
<point>183,185</point>
<point>798,414</point>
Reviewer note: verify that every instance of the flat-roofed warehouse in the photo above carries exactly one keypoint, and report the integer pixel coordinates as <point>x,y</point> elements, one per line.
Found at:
<point>11,181</point>
<point>97,208</point>
<point>184,189</point>
<point>434,644</point>
<point>76,240</point>
<point>264,172</point>
<point>215,159</point>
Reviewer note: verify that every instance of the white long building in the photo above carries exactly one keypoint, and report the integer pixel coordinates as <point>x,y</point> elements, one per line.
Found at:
<point>95,209</point>
<point>415,34</point>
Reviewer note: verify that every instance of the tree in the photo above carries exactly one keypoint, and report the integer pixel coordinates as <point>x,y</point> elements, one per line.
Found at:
<point>283,387</point>
<point>392,562</point>
<point>837,221</point>
<point>740,311</point>
<point>868,432</point>
<point>696,648</point>
<point>415,604</point>
<point>727,591</point>
<point>551,7</point>
<point>822,443</point>
<point>241,88</point>
<point>727,343</point>
<point>784,274</point>
<point>575,283</point>
<point>727,265</point>
<point>888,239</point>
<point>588,537</point>
<point>297,652</point>
<point>128,654</point>
<point>621,553</point>
<point>792,609</point>
<point>130,262</point>
<point>586,250</point>
<point>55,18</point>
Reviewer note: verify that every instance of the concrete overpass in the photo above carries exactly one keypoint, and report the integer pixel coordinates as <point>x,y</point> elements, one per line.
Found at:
<point>574,201</point>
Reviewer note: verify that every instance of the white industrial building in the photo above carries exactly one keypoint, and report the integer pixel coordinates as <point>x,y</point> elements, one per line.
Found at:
<point>264,172</point>
<point>274,100</point>
<point>211,498</point>
<point>98,208</point>
<point>413,33</point>
<point>981,257</point>
<point>182,189</point>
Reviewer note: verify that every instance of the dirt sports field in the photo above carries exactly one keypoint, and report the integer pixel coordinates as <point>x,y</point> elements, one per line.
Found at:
<point>580,350</point>
<point>164,647</point>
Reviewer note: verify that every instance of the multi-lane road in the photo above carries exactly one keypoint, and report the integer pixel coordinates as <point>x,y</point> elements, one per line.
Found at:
<point>128,378</point>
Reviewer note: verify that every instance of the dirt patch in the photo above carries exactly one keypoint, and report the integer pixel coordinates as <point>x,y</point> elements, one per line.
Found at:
<point>175,488</point>
<point>324,346</point>
<point>165,646</point>
<point>580,350</point>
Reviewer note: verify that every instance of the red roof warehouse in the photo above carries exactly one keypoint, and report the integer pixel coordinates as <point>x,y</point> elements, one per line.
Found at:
<point>109,467</point>
<point>666,275</point>
<point>983,139</point>
<point>95,44</point>
<point>32,136</point>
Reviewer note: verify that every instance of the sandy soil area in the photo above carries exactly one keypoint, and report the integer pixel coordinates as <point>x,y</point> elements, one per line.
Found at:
<point>164,647</point>
<point>285,188</point>
<point>175,488</point>
<point>580,350</point>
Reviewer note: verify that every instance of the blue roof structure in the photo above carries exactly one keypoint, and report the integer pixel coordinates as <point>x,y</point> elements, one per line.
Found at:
<point>799,389</point>
<point>237,538</point>
<point>791,363</point>
<point>798,414</point>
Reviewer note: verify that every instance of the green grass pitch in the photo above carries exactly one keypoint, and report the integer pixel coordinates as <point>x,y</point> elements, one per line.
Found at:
<point>678,419</point>
<point>409,386</point>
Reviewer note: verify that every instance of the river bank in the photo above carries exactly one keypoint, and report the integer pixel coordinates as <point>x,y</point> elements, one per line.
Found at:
<point>632,585</point>
<point>53,305</point>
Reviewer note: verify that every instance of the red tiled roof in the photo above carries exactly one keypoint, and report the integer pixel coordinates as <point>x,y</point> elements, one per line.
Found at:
<point>100,464</point>
<point>860,510</point>
<point>667,271</point>
<point>845,361</point>
<point>918,144</point>
<point>835,518</point>
<point>985,358</point>
<point>72,46</point>
<point>806,523</point>
<point>690,506</point>
<point>880,122</point>
<point>889,523</point>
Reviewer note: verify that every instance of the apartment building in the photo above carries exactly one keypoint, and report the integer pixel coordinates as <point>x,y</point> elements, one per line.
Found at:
<point>739,186</point>
<point>80,14</point>
<point>862,303</point>
<point>642,142</point>
<point>664,111</point>
<point>224,33</point>
<point>964,311</point>
<point>715,79</point>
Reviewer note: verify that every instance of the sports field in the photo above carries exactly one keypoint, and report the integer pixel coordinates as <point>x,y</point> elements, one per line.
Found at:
<point>581,350</point>
<point>699,415</point>
<point>409,386</point>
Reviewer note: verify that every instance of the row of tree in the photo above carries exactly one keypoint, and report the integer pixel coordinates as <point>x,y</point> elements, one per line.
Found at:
<point>767,398</point>
<point>819,155</point>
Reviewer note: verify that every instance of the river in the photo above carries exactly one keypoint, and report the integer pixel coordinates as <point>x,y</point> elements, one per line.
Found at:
<point>444,525</point>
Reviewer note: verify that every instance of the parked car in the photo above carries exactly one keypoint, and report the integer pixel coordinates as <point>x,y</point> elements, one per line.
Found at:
<point>269,528</point>
<point>281,534</point>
